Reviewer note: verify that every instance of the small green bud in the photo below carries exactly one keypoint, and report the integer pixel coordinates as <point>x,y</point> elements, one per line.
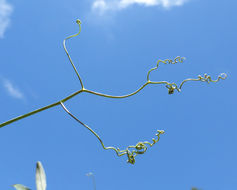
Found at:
<point>78,21</point>
<point>131,159</point>
<point>171,90</point>
<point>161,131</point>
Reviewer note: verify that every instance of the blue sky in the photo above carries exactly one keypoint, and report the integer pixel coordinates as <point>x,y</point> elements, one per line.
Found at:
<point>120,41</point>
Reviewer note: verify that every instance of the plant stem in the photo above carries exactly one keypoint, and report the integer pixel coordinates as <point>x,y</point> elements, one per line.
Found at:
<point>29,114</point>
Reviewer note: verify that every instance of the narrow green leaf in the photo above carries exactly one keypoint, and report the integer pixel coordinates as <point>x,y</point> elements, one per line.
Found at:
<point>20,187</point>
<point>40,177</point>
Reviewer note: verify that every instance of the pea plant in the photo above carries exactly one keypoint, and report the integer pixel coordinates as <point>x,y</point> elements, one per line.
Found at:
<point>141,147</point>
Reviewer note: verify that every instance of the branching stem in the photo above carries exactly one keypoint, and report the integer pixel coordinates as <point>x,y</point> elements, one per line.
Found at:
<point>140,147</point>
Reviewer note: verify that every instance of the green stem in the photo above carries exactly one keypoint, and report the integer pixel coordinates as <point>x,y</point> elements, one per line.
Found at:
<point>87,127</point>
<point>66,99</point>
<point>29,114</point>
<point>111,96</point>
<point>170,86</point>
<point>39,110</point>
<point>206,78</point>
<point>64,46</point>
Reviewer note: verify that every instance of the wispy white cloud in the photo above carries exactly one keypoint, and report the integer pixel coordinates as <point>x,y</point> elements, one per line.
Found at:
<point>105,5</point>
<point>12,90</point>
<point>5,13</point>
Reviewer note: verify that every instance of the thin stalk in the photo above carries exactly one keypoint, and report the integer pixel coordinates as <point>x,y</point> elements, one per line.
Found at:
<point>139,148</point>
<point>111,96</point>
<point>28,114</point>
<point>64,46</point>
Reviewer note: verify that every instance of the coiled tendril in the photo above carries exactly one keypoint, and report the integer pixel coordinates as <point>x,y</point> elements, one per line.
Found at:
<point>140,147</point>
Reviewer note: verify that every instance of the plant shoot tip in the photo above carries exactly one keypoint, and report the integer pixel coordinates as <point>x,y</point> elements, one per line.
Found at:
<point>78,21</point>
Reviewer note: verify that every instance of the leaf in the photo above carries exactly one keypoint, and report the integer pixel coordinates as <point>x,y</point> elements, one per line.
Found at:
<point>20,187</point>
<point>40,177</point>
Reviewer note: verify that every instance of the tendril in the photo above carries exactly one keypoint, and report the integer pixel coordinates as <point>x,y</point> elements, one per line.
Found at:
<point>69,57</point>
<point>166,61</point>
<point>139,148</point>
<point>173,86</point>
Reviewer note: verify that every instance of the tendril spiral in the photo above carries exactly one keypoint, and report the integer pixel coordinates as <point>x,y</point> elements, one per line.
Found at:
<point>141,147</point>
